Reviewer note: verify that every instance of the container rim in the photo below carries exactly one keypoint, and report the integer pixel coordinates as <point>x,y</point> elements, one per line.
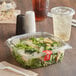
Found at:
<point>56,10</point>
<point>64,46</point>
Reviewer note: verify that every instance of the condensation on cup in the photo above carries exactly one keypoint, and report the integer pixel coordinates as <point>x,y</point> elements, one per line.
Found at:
<point>62,20</point>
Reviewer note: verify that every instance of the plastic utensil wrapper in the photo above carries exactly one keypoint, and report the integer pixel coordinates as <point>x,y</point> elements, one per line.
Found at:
<point>34,50</point>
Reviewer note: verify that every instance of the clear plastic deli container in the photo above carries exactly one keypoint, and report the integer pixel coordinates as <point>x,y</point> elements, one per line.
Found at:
<point>7,5</point>
<point>8,11</point>
<point>34,50</point>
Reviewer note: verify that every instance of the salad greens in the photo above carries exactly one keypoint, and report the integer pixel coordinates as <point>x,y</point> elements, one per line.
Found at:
<point>29,52</point>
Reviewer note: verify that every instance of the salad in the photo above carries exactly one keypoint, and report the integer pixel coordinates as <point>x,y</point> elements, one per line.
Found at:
<point>37,52</point>
<point>7,10</point>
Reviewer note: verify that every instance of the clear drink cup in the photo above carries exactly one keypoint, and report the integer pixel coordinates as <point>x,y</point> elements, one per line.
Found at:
<point>62,20</point>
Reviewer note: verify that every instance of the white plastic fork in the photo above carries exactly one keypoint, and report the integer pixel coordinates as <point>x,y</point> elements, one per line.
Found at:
<point>12,69</point>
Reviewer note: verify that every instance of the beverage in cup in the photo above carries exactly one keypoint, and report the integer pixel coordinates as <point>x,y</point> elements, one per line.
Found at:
<point>40,8</point>
<point>62,20</point>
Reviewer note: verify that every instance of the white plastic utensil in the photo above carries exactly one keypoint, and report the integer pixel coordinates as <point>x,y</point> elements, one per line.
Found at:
<point>12,69</point>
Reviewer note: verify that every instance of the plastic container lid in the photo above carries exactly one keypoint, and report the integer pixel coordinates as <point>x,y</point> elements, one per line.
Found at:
<point>61,10</point>
<point>7,5</point>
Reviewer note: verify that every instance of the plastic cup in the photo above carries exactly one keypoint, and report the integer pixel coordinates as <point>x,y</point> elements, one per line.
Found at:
<point>62,19</point>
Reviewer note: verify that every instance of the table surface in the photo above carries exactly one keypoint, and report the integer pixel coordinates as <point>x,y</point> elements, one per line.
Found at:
<point>68,66</point>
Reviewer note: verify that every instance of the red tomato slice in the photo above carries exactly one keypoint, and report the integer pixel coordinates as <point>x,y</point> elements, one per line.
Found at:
<point>48,54</point>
